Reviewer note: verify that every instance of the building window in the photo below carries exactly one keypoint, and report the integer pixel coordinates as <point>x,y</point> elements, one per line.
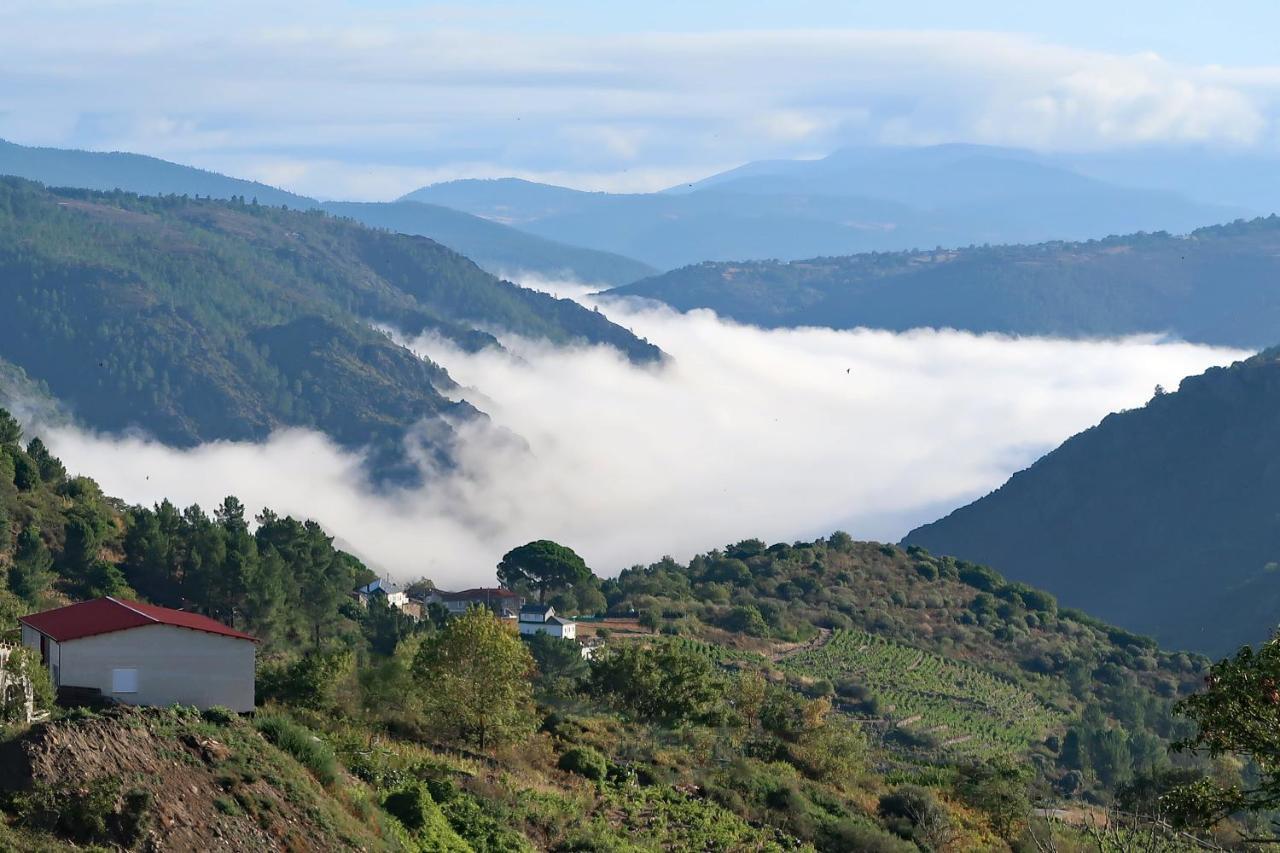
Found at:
<point>124,681</point>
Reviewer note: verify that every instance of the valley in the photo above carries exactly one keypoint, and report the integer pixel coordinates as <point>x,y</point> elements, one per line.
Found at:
<point>580,428</point>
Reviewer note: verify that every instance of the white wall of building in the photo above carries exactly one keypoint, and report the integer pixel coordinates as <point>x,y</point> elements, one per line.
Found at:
<point>165,665</point>
<point>564,632</point>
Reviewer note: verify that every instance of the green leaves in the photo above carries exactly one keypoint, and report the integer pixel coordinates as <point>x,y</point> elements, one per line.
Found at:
<point>542,565</point>
<point>474,678</point>
<point>1238,713</point>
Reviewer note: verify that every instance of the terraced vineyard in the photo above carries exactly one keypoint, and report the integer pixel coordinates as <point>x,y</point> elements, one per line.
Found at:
<point>965,710</point>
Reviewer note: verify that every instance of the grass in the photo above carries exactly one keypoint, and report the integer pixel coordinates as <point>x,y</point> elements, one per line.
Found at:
<point>298,741</point>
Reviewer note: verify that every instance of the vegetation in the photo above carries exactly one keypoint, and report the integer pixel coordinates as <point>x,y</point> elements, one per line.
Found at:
<point>824,695</point>
<point>1212,286</point>
<point>543,566</point>
<point>476,678</point>
<point>227,319</point>
<point>1158,519</point>
<point>495,247</point>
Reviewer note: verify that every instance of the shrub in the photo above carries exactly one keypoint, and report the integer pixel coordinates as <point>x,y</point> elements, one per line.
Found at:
<point>298,741</point>
<point>585,761</point>
<point>219,715</point>
<point>90,813</point>
<point>413,806</point>
<point>912,812</point>
<point>849,835</point>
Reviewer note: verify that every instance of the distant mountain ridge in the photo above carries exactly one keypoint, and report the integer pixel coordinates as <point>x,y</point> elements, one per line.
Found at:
<point>198,320</point>
<point>495,247</point>
<point>855,200</point>
<point>1163,519</point>
<point>1218,285</point>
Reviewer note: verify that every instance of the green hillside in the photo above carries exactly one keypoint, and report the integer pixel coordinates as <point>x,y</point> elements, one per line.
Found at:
<point>829,695</point>
<point>962,708</point>
<point>1163,519</point>
<point>495,247</point>
<point>198,320</point>
<point>1216,285</point>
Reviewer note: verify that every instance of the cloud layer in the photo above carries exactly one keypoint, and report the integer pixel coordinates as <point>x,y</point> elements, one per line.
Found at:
<point>336,101</point>
<point>748,433</point>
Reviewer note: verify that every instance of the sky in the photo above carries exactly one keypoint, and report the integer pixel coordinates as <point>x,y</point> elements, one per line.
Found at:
<point>370,100</point>
<point>777,434</point>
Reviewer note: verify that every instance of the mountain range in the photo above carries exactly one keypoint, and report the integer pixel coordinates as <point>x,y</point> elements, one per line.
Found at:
<point>197,319</point>
<point>1164,519</point>
<point>1215,285</point>
<point>497,248</point>
<point>855,200</point>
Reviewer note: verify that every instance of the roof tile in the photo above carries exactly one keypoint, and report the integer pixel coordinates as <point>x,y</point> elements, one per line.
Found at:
<point>105,615</point>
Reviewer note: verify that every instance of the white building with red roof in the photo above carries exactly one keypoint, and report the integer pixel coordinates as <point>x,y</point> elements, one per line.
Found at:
<point>141,654</point>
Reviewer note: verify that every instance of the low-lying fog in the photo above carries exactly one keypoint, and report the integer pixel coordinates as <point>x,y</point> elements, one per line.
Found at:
<point>778,435</point>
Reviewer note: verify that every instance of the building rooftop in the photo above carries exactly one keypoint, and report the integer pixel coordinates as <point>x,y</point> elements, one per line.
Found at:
<point>383,585</point>
<point>105,615</point>
<point>477,594</point>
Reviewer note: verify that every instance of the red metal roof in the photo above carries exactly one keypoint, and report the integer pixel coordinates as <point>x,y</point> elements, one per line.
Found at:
<point>104,615</point>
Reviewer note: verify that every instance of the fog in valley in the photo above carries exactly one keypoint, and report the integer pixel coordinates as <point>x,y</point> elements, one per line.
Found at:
<point>778,434</point>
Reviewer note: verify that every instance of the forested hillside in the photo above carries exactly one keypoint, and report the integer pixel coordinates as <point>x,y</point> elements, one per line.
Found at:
<point>495,247</point>
<point>1164,519</point>
<point>828,695</point>
<point>1216,285</point>
<point>199,320</point>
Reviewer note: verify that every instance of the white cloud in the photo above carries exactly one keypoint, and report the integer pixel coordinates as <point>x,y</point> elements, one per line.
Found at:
<point>394,95</point>
<point>776,434</point>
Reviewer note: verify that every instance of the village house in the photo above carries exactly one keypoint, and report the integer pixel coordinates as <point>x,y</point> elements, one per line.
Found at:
<point>394,594</point>
<point>502,602</point>
<point>140,654</point>
<point>542,619</point>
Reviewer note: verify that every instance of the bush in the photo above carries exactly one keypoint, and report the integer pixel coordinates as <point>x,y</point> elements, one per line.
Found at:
<point>298,741</point>
<point>218,715</point>
<point>585,761</point>
<point>90,813</point>
<point>849,835</point>
<point>413,806</point>
<point>912,812</point>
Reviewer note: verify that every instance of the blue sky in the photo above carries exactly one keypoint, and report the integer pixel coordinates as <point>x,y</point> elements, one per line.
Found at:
<point>371,99</point>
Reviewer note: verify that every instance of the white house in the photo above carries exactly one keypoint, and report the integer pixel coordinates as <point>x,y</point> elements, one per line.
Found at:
<point>542,619</point>
<point>140,654</point>
<point>396,597</point>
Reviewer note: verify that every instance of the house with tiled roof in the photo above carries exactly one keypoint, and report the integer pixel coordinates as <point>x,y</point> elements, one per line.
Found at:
<point>503,602</point>
<point>141,654</point>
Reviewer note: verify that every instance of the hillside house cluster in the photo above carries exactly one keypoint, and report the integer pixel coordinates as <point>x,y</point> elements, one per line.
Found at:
<point>526,618</point>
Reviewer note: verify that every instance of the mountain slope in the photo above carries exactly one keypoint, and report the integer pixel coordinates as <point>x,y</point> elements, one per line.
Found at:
<point>1164,519</point>
<point>138,173</point>
<point>856,200</point>
<point>201,320</point>
<point>495,247</point>
<point>1216,285</point>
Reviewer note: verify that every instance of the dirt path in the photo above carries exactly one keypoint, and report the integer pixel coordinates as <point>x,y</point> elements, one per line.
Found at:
<point>787,650</point>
